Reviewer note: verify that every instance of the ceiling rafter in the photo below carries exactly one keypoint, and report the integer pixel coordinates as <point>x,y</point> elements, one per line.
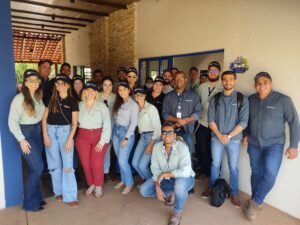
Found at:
<point>44,25</point>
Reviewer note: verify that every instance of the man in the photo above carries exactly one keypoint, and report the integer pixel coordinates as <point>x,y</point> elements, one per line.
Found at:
<point>228,115</point>
<point>194,78</point>
<point>182,107</point>
<point>97,78</point>
<point>173,176</point>
<point>121,74</point>
<point>65,69</point>
<point>173,70</point>
<point>203,133</point>
<point>44,69</point>
<point>167,76</point>
<point>203,76</point>
<point>265,136</point>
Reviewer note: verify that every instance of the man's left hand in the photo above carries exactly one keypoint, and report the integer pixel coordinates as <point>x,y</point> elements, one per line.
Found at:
<point>291,153</point>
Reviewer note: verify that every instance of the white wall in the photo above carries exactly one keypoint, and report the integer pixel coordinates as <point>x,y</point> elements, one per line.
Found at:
<point>266,32</point>
<point>2,195</point>
<point>77,47</point>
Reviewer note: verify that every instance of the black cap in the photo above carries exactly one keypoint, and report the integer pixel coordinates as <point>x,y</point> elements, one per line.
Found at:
<point>78,77</point>
<point>203,73</point>
<point>121,68</point>
<point>159,79</point>
<point>132,70</point>
<point>124,83</point>
<point>193,68</point>
<point>149,79</point>
<point>42,61</point>
<point>63,77</point>
<point>30,72</point>
<point>92,85</point>
<point>139,89</point>
<point>215,64</point>
<point>262,74</point>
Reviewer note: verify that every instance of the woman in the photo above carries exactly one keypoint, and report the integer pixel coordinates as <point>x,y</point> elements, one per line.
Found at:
<point>126,113</point>
<point>156,97</point>
<point>93,137</point>
<point>149,129</point>
<point>78,83</point>
<point>108,98</point>
<point>59,126</point>
<point>24,119</point>
<point>132,77</point>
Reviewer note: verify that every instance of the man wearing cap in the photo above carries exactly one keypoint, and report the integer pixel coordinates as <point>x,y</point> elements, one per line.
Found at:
<point>156,97</point>
<point>182,107</point>
<point>44,69</point>
<point>202,132</point>
<point>265,136</point>
<point>121,74</point>
<point>97,78</point>
<point>203,76</point>
<point>228,115</point>
<point>194,78</point>
<point>167,76</point>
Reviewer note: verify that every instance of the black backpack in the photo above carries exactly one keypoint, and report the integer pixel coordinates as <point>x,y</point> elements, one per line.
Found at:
<point>240,100</point>
<point>220,192</point>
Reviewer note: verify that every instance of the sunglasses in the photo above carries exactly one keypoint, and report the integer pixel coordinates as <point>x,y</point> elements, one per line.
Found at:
<point>167,132</point>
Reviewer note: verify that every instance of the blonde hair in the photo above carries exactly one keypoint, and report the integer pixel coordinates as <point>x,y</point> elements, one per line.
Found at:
<point>83,97</point>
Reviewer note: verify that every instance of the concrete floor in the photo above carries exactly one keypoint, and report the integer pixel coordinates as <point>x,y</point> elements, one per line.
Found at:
<point>115,209</point>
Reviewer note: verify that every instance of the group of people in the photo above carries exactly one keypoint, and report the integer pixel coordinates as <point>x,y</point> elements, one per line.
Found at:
<point>152,129</point>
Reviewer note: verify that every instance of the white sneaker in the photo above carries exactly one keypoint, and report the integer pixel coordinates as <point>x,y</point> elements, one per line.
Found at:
<point>98,192</point>
<point>126,190</point>
<point>119,185</point>
<point>90,190</point>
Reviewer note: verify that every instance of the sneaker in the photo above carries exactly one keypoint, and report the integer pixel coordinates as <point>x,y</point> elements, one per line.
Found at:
<point>59,198</point>
<point>170,200</point>
<point>206,193</point>
<point>235,201</point>
<point>175,219</point>
<point>126,190</point>
<point>98,192</point>
<point>90,190</point>
<point>119,185</point>
<point>251,210</point>
<point>73,204</point>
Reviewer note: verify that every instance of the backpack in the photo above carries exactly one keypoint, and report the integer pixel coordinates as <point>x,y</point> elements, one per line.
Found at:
<point>240,100</point>
<point>220,192</point>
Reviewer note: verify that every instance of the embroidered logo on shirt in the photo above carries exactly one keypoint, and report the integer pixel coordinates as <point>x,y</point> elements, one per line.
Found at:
<point>188,100</point>
<point>66,106</point>
<point>271,107</point>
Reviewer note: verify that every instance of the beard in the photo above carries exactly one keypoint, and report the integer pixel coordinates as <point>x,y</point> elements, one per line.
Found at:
<point>213,79</point>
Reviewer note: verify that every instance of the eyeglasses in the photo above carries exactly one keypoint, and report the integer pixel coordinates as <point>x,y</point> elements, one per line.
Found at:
<point>36,81</point>
<point>167,132</point>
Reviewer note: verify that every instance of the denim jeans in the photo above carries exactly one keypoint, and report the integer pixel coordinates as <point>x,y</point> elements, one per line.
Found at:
<point>265,163</point>
<point>60,163</point>
<point>233,153</point>
<point>188,138</point>
<point>141,161</point>
<point>179,185</point>
<point>123,154</point>
<point>35,165</point>
<point>107,159</point>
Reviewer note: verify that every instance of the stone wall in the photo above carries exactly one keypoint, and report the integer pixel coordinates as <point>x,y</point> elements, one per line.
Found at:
<point>113,41</point>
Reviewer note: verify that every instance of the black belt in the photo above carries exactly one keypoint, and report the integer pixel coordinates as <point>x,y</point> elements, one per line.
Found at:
<point>147,132</point>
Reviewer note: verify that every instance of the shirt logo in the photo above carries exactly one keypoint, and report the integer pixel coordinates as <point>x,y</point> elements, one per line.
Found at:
<point>271,107</point>
<point>66,106</point>
<point>188,100</point>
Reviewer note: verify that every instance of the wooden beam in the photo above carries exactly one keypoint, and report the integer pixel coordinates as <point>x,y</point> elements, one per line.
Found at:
<point>48,21</point>
<point>44,25</point>
<point>104,3</point>
<point>32,28</point>
<point>52,16</point>
<point>37,32</point>
<point>23,46</point>
<point>62,7</point>
<point>45,48</point>
<point>36,40</point>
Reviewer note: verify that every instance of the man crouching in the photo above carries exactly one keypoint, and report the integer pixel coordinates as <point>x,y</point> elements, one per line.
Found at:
<point>173,176</point>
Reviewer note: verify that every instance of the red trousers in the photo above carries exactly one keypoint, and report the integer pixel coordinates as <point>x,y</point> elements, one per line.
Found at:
<point>92,161</point>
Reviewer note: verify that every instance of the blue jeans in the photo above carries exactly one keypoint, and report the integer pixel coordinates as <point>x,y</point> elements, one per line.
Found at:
<point>60,163</point>
<point>265,163</point>
<point>233,153</point>
<point>141,161</point>
<point>35,165</point>
<point>107,160</point>
<point>180,185</point>
<point>188,138</point>
<point>123,154</point>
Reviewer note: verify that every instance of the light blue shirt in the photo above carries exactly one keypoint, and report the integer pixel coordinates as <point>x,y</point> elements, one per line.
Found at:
<point>178,163</point>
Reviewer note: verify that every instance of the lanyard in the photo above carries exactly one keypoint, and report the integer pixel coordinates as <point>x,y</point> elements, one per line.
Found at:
<point>210,91</point>
<point>180,97</point>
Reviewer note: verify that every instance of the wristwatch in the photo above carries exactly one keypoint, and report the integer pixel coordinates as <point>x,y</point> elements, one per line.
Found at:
<point>126,138</point>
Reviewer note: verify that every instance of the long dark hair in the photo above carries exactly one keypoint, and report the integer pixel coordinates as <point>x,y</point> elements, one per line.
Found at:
<point>53,104</point>
<point>119,102</point>
<point>28,102</point>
